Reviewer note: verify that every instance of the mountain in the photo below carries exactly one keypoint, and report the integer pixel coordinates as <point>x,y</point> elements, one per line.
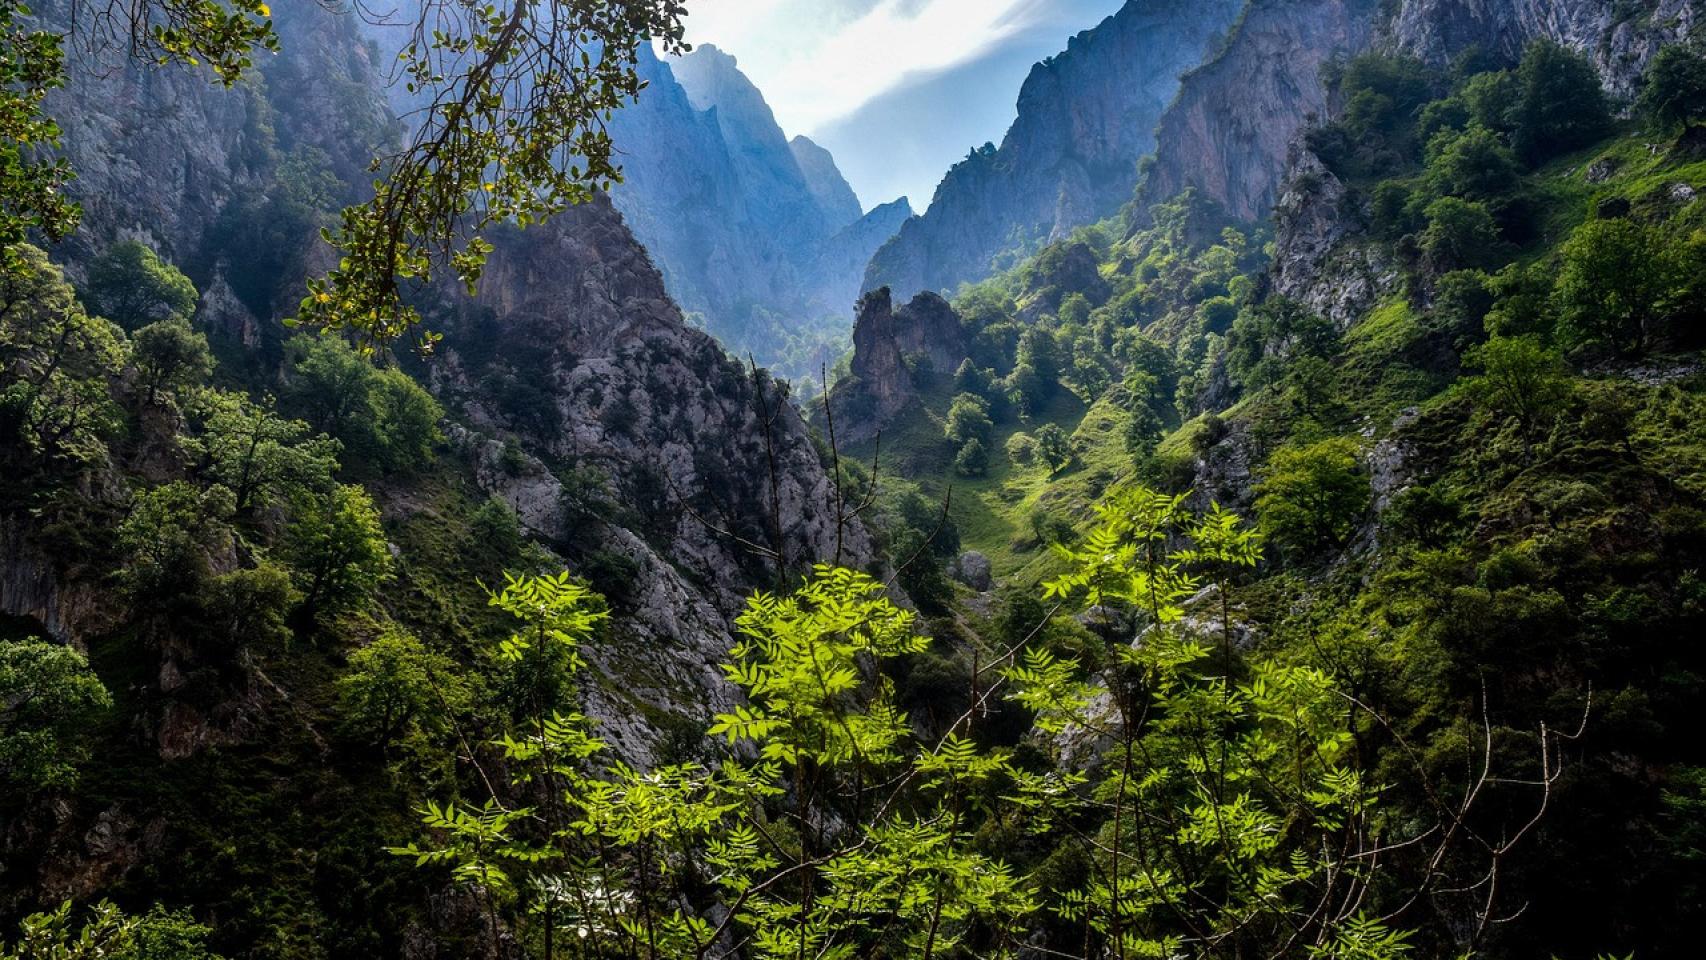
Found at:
<point>1085,119</point>
<point>586,427</point>
<point>758,235</point>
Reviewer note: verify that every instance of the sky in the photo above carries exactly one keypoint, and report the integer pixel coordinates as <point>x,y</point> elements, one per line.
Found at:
<point>897,90</point>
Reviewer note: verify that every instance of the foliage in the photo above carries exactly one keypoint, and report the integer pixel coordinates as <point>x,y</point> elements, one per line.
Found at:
<point>109,934</point>
<point>395,688</point>
<point>1053,447</point>
<point>381,414</point>
<point>1520,377</point>
<point>32,178</point>
<point>1313,496</point>
<point>55,404</point>
<point>1674,90</point>
<point>170,356</point>
<point>251,451</point>
<point>168,535</point>
<point>968,420</point>
<point>336,550</point>
<point>972,460</point>
<point>510,90</point>
<point>130,285</point>
<point>47,695</point>
<point>1560,104</point>
<point>1460,235</point>
<point>1615,284</point>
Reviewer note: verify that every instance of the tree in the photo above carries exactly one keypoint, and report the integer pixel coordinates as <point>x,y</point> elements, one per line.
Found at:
<point>1560,103</point>
<point>1054,448</point>
<point>396,688</point>
<point>47,697</point>
<point>336,549</point>
<point>250,450</point>
<point>56,398</point>
<point>329,382</point>
<point>32,174</point>
<point>1311,497</point>
<point>1520,376</point>
<point>405,420</point>
<point>168,535</point>
<point>1615,284</point>
<point>1472,165</point>
<point>968,419</point>
<point>1021,448</point>
<point>1460,235</point>
<point>130,285</point>
<point>1674,90</point>
<point>972,459</point>
<point>170,356</point>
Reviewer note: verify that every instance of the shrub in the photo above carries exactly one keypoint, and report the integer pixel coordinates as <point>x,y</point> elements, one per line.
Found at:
<point>1021,448</point>
<point>1460,235</point>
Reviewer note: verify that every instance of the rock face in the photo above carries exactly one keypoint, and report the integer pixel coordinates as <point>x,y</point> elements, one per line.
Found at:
<point>1086,118</point>
<point>1228,131</point>
<point>695,455</point>
<point>1321,257</point>
<point>892,351</point>
<point>825,181</point>
<point>758,235</point>
<point>1619,38</point>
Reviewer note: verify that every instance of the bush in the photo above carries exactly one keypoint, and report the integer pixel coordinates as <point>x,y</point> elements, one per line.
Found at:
<point>1021,448</point>
<point>1312,497</point>
<point>968,420</point>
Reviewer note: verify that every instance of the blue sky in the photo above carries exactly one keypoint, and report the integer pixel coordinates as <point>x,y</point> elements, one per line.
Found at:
<point>898,90</point>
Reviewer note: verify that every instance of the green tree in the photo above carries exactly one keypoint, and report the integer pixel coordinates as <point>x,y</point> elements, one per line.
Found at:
<point>48,695</point>
<point>56,399</point>
<point>396,688</point>
<point>329,383</point>
<point>1021,448</point>
<point>1560,103</point>
<point>336,549</point>
<point>1472,165</point>
<point>1460,235</point>
<point>1312,497</point>
<point>1674,89</point>
<point>972,460</point>
<point>32,174</point>
<point>1615,283</point>
<point>130,285</point>
<point>168,536</point>
<point>170,356</point>
<point>1054,448</point>
<point>1521,377</point>
<point>968,419</point>
<point>405,420</point>
<point>251,451</point>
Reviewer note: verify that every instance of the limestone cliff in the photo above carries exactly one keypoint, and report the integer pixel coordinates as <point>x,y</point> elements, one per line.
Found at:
<point>895,351</point>
<point>1085,119</point>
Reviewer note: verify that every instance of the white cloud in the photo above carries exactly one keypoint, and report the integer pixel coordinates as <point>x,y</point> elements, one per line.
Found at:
<point>819,60</point>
